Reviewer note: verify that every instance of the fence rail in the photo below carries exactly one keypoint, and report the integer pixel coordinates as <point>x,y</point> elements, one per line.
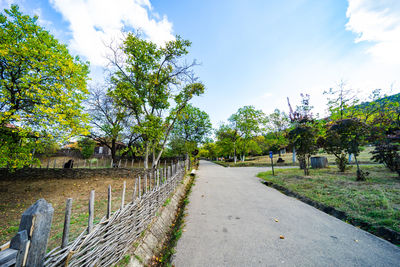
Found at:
<point>101,244</point>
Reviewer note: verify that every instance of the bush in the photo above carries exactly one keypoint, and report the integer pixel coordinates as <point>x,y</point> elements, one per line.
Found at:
<point>387,153</point>
<point>86,146</point>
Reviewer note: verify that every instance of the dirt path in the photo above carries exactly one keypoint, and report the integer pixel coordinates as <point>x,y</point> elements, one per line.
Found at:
<point>232,222</point>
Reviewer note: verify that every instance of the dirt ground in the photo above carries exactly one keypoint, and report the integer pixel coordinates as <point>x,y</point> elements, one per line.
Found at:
<point>17,196</point>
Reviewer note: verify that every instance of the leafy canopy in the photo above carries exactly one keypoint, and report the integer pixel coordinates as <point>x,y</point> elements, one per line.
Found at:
<point>41,88</point>
<point>154,85</point>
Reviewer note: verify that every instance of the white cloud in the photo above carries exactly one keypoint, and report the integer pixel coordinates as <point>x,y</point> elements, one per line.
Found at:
<point>94,23</point>
<point>377,22</point>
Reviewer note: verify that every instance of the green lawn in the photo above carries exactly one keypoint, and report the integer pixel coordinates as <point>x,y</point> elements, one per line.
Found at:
<point>260,161</point>
<point>376,201</point>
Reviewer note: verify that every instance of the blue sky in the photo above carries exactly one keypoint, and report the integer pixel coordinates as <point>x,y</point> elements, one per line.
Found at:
<point>252,52</point>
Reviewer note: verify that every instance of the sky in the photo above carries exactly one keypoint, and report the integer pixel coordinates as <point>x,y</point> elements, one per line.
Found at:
<point>256,52</point>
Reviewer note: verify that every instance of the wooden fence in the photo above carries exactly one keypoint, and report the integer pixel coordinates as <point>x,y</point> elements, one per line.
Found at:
<point>102,244</point>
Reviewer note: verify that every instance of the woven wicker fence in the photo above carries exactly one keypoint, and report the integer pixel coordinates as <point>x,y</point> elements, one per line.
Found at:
<point>105,243</point>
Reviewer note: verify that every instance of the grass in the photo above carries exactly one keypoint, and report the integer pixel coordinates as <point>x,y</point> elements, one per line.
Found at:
<point>262,161</point>
<point>175,233</point>
<point>375,201</point>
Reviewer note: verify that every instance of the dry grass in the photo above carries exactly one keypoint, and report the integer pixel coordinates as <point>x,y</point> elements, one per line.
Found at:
<point>17,196</point>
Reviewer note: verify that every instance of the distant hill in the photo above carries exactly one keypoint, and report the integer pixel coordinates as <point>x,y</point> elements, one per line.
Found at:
<point>390,98</point>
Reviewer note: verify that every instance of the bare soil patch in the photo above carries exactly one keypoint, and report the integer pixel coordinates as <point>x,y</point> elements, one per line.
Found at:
<point>18,195</point>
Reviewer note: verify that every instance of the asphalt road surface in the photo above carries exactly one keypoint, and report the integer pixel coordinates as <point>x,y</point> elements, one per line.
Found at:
<point>232,222</point>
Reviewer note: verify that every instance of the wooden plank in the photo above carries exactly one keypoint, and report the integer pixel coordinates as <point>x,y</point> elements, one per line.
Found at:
<point>36,220</point>
<point>91,211</point>
<point>109,202</point>
<point>134,191</point>
<point>8,257</point>
<point>140,193</point>
<point>67,220</point>
<point>5,246</point>
<point>145,183</point>
<point>123,195</point>
<point>20,243</point>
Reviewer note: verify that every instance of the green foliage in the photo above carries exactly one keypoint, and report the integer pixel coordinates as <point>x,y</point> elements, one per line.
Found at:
<point>333,143</point>
<point>246,123</point>
<point>209,150</point>
<point>304,138</point>
<point>109,121</point>
<point>41,89</point>
<point>154,86</point>
<point>87,146</point>
<point>352,135</point>
<point>387,152</point>
<point>277,125</point>
<point>341,102</point>
<point>191,129</point>
<point>227,139</point>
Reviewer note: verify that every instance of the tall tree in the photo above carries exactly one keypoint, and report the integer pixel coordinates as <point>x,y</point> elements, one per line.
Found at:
<point>227,140</point>
<point>304,133</point>
<point>41,88</point>
<point>155,85</point>
<point>341,101</point>
<point>192,128</point>
<point>111,123</point>
<point>277,124</point>
<point>247,122</point>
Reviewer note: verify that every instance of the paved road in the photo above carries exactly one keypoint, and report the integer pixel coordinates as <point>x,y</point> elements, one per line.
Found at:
<point>231,222</point>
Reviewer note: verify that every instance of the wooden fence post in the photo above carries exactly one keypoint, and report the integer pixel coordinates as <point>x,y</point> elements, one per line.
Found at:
<point>123,195</point>
<point>91,212</point>
<point>36,220</point>
<point>109,202</point>
<point>67,220</point>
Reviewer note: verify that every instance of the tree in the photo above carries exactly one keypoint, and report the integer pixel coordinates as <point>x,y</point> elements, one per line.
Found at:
<point>209,150</point>
<point>227,139</point>
<point>387,150</point>
<point>341,102</point>
<point>111,123</point>
<point>333,144</point>
<point>191,128</point>
<point>154,85</point>
<point>304,138</point>
<point>41,89</point>
<point>277,124</point>
<point>246,122</point>
<point>353,135</point>
<point>86,146</point>
<point>304,133</point>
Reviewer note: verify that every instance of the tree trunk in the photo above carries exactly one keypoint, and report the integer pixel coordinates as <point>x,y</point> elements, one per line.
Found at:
<point>113,150</point>
<point>146,156</point>
<point>294,155</point>
<point>234,155</point>
<point>154,163</point>
<point>361,176</point>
